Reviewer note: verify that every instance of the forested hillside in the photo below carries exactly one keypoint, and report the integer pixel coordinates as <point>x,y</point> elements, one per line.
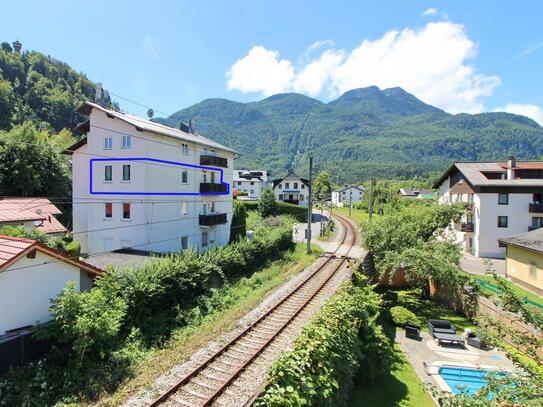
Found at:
<point>35,87</point>
<point>389,133</point>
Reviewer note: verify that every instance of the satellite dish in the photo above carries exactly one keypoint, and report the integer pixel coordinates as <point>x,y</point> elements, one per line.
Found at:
<point>38,223</point>
<point>150,113</point>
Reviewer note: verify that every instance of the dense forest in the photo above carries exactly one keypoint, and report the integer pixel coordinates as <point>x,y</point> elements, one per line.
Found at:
<point>388,133</point>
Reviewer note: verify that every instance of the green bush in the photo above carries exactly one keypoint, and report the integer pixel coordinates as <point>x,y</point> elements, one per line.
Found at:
<point>342,340</point>
<point>296,211</point>
<point>401,316</point>
<point>74,248</point>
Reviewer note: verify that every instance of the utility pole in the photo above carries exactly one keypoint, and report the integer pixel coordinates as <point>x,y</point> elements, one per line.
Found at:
<point>310,204</point>
<point>370,208</point>
<point>350,200</point>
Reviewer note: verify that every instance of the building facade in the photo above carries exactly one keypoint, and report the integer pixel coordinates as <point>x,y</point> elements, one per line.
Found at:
<point>502,199</point>
<point>351,193</point>
<point>250,182</point>
<point>141,185</point>
<point>292,189</point>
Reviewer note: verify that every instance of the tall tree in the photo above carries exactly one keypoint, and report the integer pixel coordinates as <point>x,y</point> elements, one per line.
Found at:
<point>322,186</point>
<point>267,205</point>
<point>239,222</point>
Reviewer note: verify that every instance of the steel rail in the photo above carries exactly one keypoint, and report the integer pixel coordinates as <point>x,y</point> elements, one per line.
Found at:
<point>234,375</point>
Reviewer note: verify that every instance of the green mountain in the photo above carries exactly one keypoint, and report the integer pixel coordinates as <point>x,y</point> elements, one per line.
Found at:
<point>389,133</point>
<point>35,87</point>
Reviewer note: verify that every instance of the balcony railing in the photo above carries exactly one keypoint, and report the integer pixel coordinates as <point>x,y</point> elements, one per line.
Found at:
<point>464,226</point>
<point>210,188</point>
<point>536,207</point>
<point>213,160</point>
<point>213,219</point>
<point>530,228</point>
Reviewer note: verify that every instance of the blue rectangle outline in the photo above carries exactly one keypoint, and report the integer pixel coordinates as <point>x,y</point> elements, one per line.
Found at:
<point>91,161</point>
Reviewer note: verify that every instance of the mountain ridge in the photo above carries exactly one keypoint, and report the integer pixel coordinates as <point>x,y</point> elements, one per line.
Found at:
<point>389,132</point>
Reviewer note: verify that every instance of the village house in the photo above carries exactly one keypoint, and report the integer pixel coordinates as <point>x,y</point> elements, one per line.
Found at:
<point>291,189</point>
<point>141,185</point>
<point>502,199</point>
<point>524,259</point>
<point>250,183</point>
<point>31,274</point>
<point>406,193</point>
<point>348,194</point>
<point>31,213</point>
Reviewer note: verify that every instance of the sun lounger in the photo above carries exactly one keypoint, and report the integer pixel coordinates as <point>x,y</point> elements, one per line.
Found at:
<point>440,326</point>
<point>451,338</point>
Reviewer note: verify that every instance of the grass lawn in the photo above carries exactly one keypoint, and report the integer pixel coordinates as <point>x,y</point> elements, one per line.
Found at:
<point>357,215</point>
<point>241,297</point>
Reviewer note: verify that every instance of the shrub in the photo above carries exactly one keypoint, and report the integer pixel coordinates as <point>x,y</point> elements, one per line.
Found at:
<point>238,228</point>
<point>267,205</point>
<point>74,248</point>
<point>401,316</point>
<point>296,211</point>
<point>342,337</point>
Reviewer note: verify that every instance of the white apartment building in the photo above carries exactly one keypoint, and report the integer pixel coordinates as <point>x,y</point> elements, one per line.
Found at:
<point>292,189</point>
<point>144,186</point>
<point>350,193</point>
<point>502,199</point>
<point>250,182</point>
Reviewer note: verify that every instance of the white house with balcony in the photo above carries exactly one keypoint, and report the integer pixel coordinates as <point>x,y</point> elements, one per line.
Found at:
<point>141,185</point>
<point>502,199</point>
<point>250,183</point>
<point>347,195</point>
<point>292,189</point>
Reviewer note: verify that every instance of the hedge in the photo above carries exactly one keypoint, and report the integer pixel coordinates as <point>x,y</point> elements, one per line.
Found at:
<point>296,211</point>
<point>342,341</point>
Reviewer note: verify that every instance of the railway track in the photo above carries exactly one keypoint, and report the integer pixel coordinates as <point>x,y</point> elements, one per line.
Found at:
<point>216,375</point>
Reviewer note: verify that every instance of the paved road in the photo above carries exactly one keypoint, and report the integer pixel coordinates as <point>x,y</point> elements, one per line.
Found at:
<point>476,265</point>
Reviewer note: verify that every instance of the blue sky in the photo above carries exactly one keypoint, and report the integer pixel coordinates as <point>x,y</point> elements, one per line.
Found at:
<point>458,55</point>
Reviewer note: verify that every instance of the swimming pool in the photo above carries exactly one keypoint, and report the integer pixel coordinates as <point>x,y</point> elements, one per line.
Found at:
<point>469,380</point>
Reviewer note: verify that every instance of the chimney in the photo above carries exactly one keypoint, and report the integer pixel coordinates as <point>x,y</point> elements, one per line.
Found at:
<point>511,164</point>
<point>17,46</point>
<point>191,129</point>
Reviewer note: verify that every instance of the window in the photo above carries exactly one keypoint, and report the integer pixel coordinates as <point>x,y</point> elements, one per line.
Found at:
<point>126,211</point>
<point>108,210</point>
<point>286,185</point>
<point>184,242</point>
<point>108,143</point>
<point>127,141</point>
<point>280,186</point>
<point>204,239</point>
<point>303,186</point>
<point>295,185</point>
<point>503,199</point>
<point>239,183</point>
<point>184,177</point>
<point>212,177</point>
<point>537,222</point>
<point>126,243</point>
<point>184,210</point>
<point>502,244</point>
<point>301,197</point>
<point>280,197</point>
<point>252,191</point>
<point>502,221</point>
<point>538,198</point>
<point>252,183</point>
<point>108,173</point>
<point>212,207</point>
<point>185,148</point>
<point>126,172</point>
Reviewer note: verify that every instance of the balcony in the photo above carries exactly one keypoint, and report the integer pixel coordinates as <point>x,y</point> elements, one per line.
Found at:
<point>211,188</point>
<point>464,226</point>
<point>536,207</point>
<point>213,219</point>
<point>213,161</point>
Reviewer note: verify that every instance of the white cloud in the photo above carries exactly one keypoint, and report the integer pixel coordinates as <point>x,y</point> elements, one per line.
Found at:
<point>261,70</point>
<point>150,48</point>
<point>528,51</point>
<point>433,63</point>
<point>429,12</point>
<point>532,111</point>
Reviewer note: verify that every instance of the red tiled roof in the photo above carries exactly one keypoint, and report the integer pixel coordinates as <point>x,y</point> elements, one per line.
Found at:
<point>12,248</point>
<point>10,212</point>
<point>25,209</point>
<point>38,205</point>
<point>52,225</point>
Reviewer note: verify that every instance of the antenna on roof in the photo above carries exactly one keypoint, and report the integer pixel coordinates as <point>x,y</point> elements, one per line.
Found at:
<point>191,129</point>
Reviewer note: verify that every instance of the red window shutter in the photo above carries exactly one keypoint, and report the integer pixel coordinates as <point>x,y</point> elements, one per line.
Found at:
<point>108,210</point>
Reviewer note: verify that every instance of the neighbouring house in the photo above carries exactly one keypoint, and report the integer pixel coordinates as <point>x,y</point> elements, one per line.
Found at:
<point>406,193</point>
<point>249,184</point>
<point>350,193</point>
<point>502,199</point>
<point>524,259</point>
<point>292,189</point>
<point>145,186</point>
<point>31,212</point>
<point>30,275</point>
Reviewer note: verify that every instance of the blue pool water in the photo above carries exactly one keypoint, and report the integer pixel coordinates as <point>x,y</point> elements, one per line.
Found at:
<point>469,380</point>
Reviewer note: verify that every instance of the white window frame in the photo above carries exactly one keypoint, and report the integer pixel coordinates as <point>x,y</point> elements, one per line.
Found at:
<point>206,240</point>
<point>127,141</point>
<point>129,173</point>
<point>108,143</point>
<point>184,209</point>
<point>105,211</point>
<point>129,211</point>
<point>110,173</point>
<point>184,242</point>
<point>185,175</point>
<point>185,148</point>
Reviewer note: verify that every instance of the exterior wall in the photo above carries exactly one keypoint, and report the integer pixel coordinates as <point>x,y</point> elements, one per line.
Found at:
<point>25,294</point>
<point>299,193</point>
<point>157,222</point>
<point>253,190</point>
<point>341,197</point>
<point>525,266</point>
<point>488,232</point>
